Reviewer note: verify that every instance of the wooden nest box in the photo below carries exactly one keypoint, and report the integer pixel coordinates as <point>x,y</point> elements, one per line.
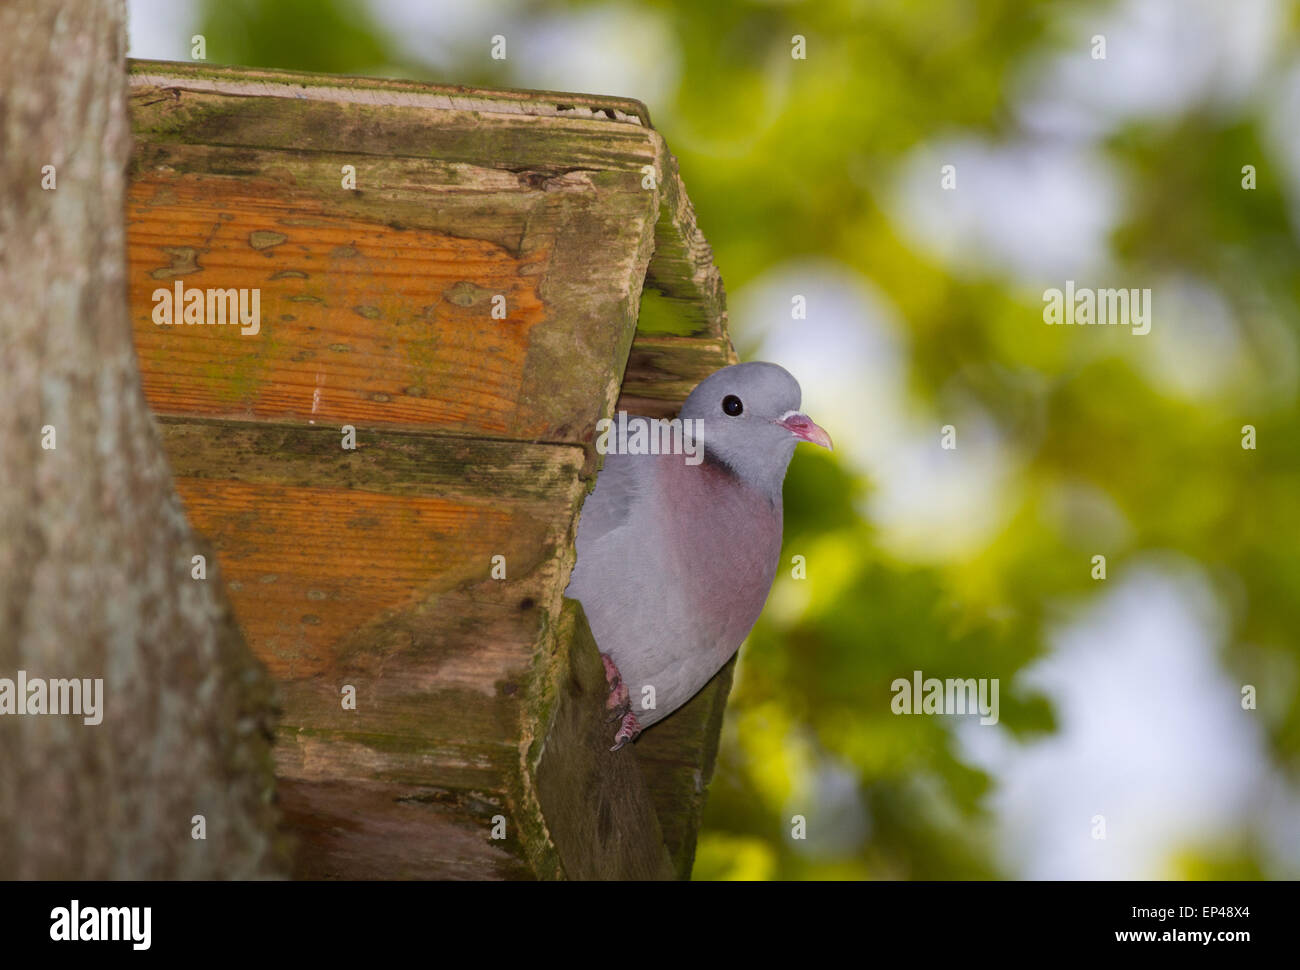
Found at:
<point>469,279</point>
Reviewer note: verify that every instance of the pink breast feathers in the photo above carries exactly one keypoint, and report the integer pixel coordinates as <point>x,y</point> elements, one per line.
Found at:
<point>725,539</point>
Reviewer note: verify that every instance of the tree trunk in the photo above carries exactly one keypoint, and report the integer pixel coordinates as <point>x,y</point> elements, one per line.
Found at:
<point>95,551</point>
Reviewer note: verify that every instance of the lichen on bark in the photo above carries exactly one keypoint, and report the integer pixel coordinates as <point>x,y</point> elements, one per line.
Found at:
<point>95,549</point>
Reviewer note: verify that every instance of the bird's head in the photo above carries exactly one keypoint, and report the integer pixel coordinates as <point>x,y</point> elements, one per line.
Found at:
<point>751,422</point>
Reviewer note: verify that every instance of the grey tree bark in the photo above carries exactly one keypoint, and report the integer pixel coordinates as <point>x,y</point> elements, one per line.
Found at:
<point>95,549</point>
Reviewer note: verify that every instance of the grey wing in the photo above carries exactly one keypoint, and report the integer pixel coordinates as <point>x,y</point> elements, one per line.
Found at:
<point>610,502</point>
<point>606,509</point>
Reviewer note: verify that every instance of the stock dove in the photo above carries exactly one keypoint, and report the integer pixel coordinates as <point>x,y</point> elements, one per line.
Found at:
<point>676,553</point>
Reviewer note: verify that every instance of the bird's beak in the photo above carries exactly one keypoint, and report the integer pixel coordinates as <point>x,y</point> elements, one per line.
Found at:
<point>806,429</point>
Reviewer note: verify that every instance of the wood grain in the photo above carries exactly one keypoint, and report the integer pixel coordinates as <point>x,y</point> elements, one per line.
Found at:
<point>370,569</point>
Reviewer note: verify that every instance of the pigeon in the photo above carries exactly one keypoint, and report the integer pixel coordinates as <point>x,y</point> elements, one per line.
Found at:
<point>676,552</point>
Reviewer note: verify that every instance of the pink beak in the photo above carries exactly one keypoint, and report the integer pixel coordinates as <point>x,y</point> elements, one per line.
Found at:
<point>805,429</point>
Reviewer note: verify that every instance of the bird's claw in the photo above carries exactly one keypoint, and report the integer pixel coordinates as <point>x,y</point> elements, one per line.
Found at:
<point>618,700</point>
<point>619,705</point>
<point>627,731</point>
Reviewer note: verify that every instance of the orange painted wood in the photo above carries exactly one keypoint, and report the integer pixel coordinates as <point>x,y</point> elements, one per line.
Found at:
<point>360,323</point>
<point>307,566</point>
<point>478,698</point>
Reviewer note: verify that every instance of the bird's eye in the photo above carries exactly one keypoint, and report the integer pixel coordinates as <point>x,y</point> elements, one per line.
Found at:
<point>731,405</point>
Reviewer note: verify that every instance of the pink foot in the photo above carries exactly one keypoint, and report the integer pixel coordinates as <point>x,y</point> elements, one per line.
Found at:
<point>619,705</point>
<point>618,701</point>
<point>627,731</point>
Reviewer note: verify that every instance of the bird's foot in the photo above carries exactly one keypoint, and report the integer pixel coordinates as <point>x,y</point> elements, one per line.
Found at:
<point>627,731</point>
<point>618,703</point>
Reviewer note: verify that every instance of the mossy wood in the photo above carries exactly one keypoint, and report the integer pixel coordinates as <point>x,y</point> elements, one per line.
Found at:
<point>477,698</point>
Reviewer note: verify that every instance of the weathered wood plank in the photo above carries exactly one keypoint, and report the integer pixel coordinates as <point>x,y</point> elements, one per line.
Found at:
<point>662,371</point>
<point>268,82</point>
<point>360,324</point>
<point>677,757</point>
<point>320,542</point>
<point>365,323</point>
<point>682,271</point>
<point>170,111</point>
<point>426,157</point>
<point>476,697</point>
<point>372,568</point>
<point>361,830</point>
<point>598,811</point>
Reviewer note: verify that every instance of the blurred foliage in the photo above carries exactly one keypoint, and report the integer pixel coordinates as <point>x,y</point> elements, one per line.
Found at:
<point>786,158</point>
<point>335,37</point>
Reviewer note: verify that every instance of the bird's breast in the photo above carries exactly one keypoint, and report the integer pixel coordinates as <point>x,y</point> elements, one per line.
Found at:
<point>723,542</point>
